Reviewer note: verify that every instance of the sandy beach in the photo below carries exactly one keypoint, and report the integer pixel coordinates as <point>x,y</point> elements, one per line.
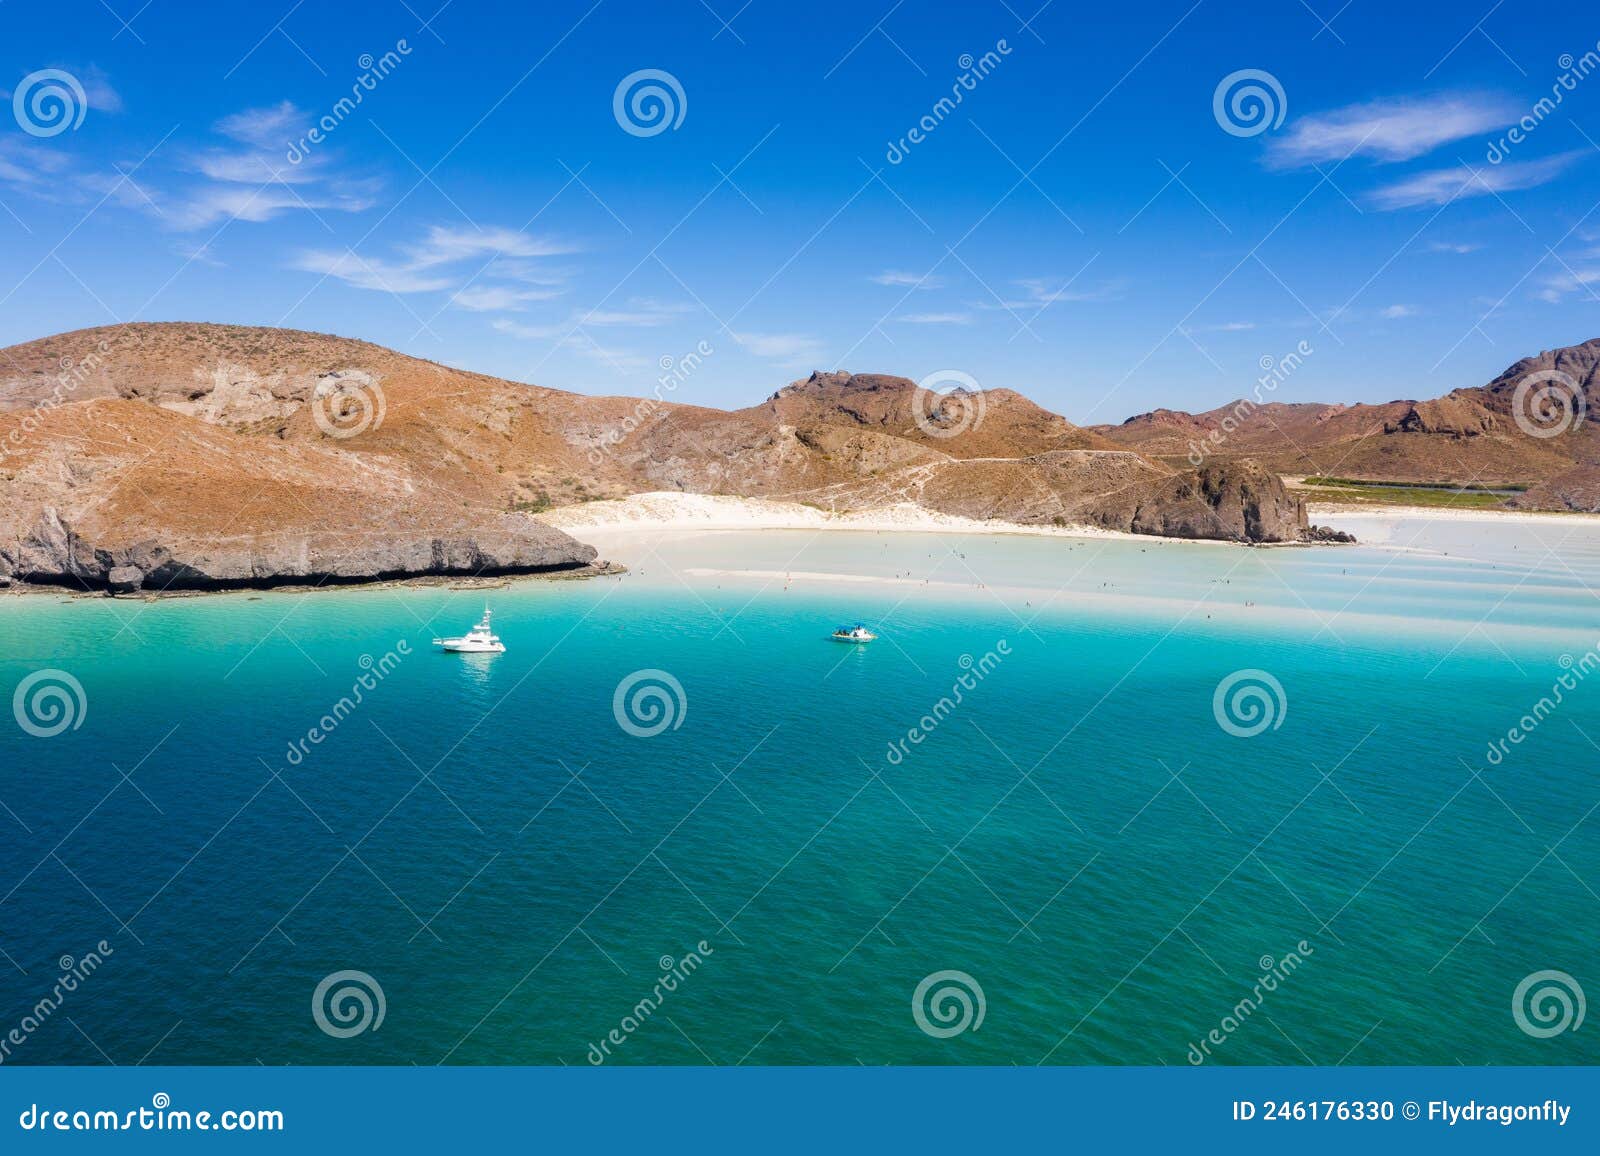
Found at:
<point>677,511</point>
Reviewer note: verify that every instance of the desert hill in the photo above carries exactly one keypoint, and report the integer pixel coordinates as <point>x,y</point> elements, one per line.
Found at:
<point>1471,436</point>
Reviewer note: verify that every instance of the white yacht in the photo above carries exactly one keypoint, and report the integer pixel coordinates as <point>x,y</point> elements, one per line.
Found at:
<point>856,633</point>
<point>479,640</point>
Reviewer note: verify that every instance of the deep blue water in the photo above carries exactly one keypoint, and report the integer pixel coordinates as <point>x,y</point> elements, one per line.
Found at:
<point>1079,834</point>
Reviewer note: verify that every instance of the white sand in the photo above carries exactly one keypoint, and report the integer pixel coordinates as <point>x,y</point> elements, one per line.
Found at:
<point>675,511</point>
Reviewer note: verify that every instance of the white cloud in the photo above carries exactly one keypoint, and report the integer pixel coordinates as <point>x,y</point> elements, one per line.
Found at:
<point>908,280</point>
<point>425,268</point>
<point>255,168</point>
<point>1458,247</point>
<point>1388,130</point>
<point>499,298</point>
<point>1570,280</point>
<point>526,332</point>
<point>935,318</point>
<point>22,163</point>
<point>443,245</point>
<point>1395,312</point>
<point>369,272</point>
<point>212,204</point>
<point>272,127</point>
<point>1441,186</point>
<point>253,179</point>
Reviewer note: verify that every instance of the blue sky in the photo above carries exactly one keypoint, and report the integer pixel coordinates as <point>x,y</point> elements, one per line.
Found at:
<point>1091,224</point>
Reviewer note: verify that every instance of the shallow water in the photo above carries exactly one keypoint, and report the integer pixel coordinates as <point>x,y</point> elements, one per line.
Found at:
<point>1080,834</point>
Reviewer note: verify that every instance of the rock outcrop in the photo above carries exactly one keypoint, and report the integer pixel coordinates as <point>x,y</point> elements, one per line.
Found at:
<point>1453,416</point>
<point>124,579</point>
<point>1231,501</point>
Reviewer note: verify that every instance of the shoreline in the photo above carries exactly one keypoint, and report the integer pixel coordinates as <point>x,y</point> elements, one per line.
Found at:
<point>600,568</point>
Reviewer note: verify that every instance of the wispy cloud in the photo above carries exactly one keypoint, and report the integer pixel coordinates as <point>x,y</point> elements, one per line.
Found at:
<point>269,127</point>
<point>370,272</point>
<point>935,318</point>
<point>214,204</point>
<point>426,267</point>
<point>1395,312</point>
<point>25,162</point>
<point>97,91</point>
<point>442,245</point>
<point>1457,247</point>
<point>904,280</point>
<point>1388,130</point>
<point>1581,279</point>
<point>1441,186</point>
<point>250,178</point>
<point>499,298</point>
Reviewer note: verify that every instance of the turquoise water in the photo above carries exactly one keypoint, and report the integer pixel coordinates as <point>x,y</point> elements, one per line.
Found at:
<point>1079,834</point>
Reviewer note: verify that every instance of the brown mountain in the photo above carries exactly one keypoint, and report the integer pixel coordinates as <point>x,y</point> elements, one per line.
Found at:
<point>207,455</point>
<point>1470,436</point>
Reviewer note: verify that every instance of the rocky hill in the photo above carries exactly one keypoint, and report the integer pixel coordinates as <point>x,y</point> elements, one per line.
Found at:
<point>204,455</point>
